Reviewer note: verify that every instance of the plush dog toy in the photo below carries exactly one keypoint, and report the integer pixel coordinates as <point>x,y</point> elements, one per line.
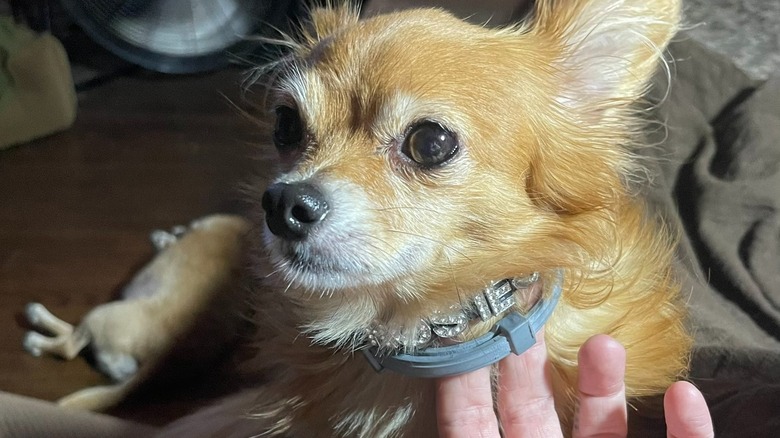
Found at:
<point>185,308</point>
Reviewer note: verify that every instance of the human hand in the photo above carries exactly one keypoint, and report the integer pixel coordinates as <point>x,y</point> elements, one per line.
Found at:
<point>525,398</point>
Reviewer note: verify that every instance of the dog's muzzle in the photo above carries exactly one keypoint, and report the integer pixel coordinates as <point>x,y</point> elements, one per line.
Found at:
<point>293,210</point>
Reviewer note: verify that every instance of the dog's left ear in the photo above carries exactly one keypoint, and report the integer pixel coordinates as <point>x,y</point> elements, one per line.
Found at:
<point>603,53</point>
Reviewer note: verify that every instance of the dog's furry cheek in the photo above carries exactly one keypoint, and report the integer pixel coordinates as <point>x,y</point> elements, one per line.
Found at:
<point>572,183</point>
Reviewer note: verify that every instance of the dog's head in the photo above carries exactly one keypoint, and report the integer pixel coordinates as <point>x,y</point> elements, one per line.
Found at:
<point>423,156</point>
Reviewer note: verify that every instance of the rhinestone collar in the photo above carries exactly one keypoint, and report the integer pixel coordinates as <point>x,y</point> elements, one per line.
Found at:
<point>430,342</point>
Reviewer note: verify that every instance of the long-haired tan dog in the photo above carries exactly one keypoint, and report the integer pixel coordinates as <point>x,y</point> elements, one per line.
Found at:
<point>185,307</point>
<point>423,158</point>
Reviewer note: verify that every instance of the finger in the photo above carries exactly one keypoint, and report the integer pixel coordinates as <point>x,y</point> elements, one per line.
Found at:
<point>686,412</point>
<point>525,395</point>
<point>601,409</point>
<point>464,406</point>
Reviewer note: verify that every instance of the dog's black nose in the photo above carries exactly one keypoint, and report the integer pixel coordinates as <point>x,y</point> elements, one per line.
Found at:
<point>292,210</point>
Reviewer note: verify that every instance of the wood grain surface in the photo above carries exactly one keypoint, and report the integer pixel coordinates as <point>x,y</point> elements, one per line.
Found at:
<point>146,151</point>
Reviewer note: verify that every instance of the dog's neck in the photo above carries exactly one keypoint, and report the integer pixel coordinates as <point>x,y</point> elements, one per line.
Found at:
<point>446,327</point>
<point>501,318</point>
<point>432,355</point>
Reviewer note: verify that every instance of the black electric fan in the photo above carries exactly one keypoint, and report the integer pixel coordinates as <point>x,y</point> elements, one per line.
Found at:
<point>179,36</point>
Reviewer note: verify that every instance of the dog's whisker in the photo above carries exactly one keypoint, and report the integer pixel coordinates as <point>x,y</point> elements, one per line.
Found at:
<point>418,208</point>
<point>276,271</point>
<point>291,281</point>
<point>367,240</point>
<point>409,233</point>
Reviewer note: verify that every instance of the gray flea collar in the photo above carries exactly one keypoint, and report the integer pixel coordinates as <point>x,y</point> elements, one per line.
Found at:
<point>514,333</point>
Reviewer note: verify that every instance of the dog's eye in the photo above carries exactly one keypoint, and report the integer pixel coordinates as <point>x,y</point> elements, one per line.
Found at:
<point>429,144</point>
<point>288,131</point>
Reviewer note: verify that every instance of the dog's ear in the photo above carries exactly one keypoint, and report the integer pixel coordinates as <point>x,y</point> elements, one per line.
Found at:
<point>603,53</point>
<point>606,50</point>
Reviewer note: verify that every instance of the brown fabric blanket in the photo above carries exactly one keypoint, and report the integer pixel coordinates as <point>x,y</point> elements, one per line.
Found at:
<point>718,179</point>
<point>23,417</point>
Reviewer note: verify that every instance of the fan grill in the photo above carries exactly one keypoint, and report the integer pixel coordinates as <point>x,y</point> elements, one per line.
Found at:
<point>174,36</point>
<point>175,27</point>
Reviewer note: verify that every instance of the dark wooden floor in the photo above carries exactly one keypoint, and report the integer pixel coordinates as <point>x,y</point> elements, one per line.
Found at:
<point>76,208</point>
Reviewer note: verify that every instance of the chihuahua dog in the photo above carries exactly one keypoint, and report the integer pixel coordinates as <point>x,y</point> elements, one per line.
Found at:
<point>422,160</point>
<point>183,308</point>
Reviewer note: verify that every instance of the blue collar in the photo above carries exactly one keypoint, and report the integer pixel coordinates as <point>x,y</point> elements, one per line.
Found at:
<point>514,333</point>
